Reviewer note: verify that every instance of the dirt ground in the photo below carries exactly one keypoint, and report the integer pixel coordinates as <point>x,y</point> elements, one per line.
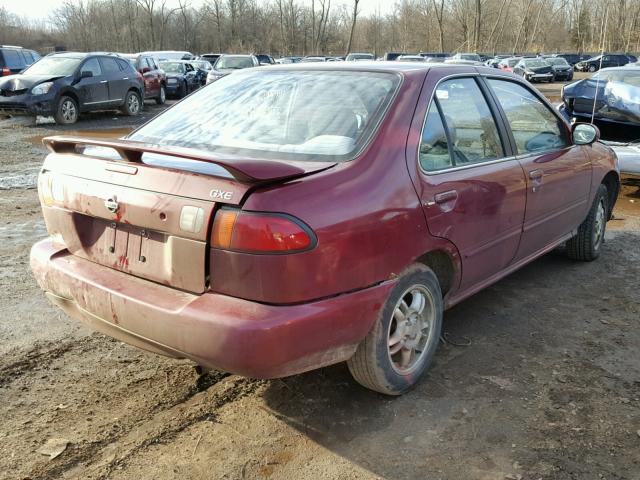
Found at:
<point>541,379</point>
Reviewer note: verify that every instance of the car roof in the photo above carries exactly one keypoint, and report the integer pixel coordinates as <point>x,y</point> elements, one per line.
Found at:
<point>388,67</point>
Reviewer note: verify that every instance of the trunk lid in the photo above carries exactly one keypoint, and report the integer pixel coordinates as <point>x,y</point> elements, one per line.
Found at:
<point>145,210</point>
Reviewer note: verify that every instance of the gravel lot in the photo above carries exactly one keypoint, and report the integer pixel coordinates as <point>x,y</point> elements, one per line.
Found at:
<point>541,379</point>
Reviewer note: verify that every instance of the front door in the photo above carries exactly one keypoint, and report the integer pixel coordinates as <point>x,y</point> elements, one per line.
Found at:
<point>472,190</point>
<point>94,91</point>
<point>558,173</point>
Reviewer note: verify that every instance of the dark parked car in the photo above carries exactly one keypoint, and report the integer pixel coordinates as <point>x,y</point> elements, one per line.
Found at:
<point>264,59</point>
<point>391,56</point>
<point>435,54</point>
<point>632,58</point>
<point>534,70</point>
<point>226,246</point>
<point>63,85</point>
<point>202,67</point>
<point>602,61</point>
<point>15,59</point>
<point>571,58</point>
<point>182,78</point>
<point>210,57</point>
<point>155,79</point>
<point>227,64</point>
<point>560,68</point>
<point>618,96</point>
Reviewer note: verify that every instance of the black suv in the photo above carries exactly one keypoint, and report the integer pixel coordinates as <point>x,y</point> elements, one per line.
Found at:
<point>15,59</point>
<point>63,85</point>
<point>605,61</point>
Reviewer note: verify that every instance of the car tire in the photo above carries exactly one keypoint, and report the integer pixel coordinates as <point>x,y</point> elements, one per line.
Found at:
<point>162,96</point>
<point>407,330</point>
<point>592,68</point>
<point>183,90</point>
<point>586,244</point>
<point>132,104</point>
<point>67,111</point>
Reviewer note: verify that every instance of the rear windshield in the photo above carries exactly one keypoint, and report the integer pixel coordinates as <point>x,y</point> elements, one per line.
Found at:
<point>536,63</point>
<point>302,115</point>
<point>559,61</point>
<point>234,62</point>
<point>54,66</point>
<point>172,67</point>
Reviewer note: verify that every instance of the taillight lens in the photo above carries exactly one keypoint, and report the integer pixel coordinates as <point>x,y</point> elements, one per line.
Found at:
<point>254,232</point>
<point>6,71</point>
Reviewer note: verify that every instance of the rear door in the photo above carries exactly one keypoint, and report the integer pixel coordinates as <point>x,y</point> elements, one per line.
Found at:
<point>94,92</point>
<point>558,173</point>
<point>472,189</point>
<point>151,77</point>
<point>117,80</point>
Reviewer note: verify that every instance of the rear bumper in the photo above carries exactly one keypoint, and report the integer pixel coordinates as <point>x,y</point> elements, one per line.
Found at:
<point>218,331</point>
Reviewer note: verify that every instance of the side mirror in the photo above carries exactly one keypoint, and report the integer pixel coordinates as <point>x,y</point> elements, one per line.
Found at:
<point>585,133</point>
<point>145,70</point>
<point>86,74</point>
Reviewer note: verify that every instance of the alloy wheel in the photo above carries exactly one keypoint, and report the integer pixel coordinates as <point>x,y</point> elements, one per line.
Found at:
<point>599,225</point>
<point>69,111</point>
<point>411,329</point>
<point>133,104</point>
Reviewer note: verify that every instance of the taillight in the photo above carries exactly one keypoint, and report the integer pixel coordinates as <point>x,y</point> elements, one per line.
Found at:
<point>254,232</point>
<point>6,71</point>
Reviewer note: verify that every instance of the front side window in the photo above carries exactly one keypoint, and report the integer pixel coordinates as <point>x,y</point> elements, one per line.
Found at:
<point>92,66</point>
<point>473,132</point>
<point>298,115</point>
<point>535,128</point>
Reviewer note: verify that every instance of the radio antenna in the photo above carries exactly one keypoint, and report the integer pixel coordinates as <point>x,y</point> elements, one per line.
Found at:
<point>602,43</point>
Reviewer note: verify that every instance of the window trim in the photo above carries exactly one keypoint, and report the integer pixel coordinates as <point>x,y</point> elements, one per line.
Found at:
<point>495,113</point>
<point>542,100</point>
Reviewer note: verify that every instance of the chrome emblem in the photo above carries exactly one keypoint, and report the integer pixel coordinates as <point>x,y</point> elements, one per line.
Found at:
<point>111,204</point>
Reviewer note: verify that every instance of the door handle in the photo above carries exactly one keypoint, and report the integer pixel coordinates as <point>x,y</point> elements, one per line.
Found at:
<point>103,81</point>
<point>536,174</point>
<point>125,78</point>
<point>445,197</point>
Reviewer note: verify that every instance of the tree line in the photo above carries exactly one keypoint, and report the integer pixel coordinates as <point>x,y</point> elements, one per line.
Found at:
<point>332,27</point>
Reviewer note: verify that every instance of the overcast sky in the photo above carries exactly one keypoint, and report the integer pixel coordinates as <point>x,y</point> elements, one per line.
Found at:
<point>40,9</point>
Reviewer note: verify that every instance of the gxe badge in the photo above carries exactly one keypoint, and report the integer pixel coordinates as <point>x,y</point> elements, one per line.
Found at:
<point>111,204</point>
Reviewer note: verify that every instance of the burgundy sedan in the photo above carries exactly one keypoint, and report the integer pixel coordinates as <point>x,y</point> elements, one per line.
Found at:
<point>288,218</point>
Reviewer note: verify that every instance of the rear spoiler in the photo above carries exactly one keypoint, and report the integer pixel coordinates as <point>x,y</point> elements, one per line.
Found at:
<point>245,171</point>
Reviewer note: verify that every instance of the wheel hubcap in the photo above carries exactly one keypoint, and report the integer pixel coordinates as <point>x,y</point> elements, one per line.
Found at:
<point>133,103</point>
<point>68,110</point>
<point>599,225</point>
<point>411,329</point>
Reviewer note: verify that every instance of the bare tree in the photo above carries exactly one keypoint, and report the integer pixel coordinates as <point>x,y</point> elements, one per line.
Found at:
<point>354,19</point>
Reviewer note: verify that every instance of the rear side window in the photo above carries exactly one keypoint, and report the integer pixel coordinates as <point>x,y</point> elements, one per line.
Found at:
<point>109,65</point>
<point>13,59</point>
<point>473,132</point>
<point>434,146</point>
<point>124,65</point>
<point>535,128</point>
<point>28,59</point>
